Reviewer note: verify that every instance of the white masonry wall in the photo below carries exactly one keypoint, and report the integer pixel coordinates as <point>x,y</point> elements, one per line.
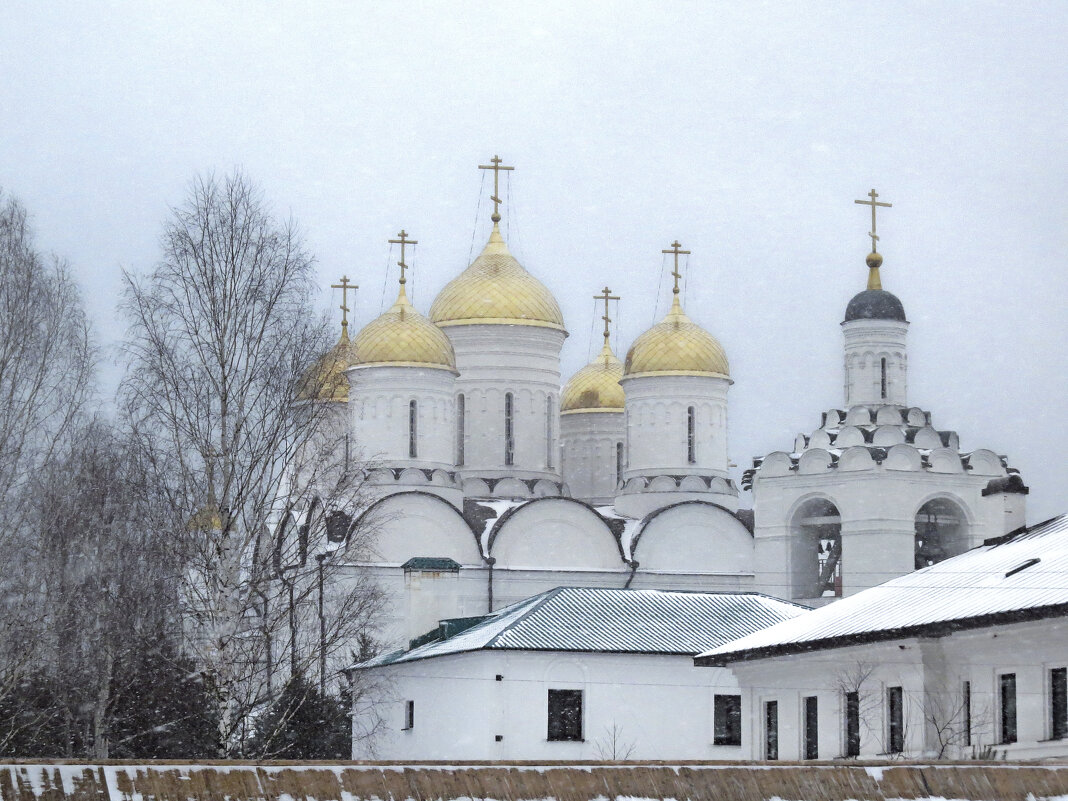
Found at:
<point>867,343</point>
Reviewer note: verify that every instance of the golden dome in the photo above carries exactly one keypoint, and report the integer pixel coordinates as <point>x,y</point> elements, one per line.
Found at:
<point>595,388</point>
<point>677,346</point>
<point>402,337</point>
<point>326,380</point>
<point>496,289</point>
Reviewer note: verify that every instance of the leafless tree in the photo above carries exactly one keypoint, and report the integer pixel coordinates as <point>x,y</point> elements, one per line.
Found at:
<point>46,367</point>
<point>614,746</point>
<point>954,722</point>
<point>223,334</point>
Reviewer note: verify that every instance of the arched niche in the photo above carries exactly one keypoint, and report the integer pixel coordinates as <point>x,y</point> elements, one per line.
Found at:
<point>927,438</point>
<point>941,531</point>
<point>943,460</point>
<point>889,416</point>
<point>693,537</point>
<point>985,463</point>
<point>510,488</point>
<point>816,554</point>
<point>848,437</point>
<point>888,436</point>
<point>858,416</point>
<point>410,524</point>
<point>554,534</point>
<point>819,439</point>
<point>917,417</point>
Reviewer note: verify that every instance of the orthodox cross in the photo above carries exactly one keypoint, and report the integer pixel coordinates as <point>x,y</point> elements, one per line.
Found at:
<point>873,203</point>
<point>344,286</point>
<point>675,248</point>
<point>402,241</point>
<point>496,167</point>
<point>606,295</point>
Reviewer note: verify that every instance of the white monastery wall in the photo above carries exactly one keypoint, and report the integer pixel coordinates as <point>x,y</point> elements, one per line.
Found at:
<point>589,441</point>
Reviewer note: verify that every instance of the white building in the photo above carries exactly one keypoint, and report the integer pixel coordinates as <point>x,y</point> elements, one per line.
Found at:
<point>966,657</point>
<point>619,478</point>
<point>573,673</point>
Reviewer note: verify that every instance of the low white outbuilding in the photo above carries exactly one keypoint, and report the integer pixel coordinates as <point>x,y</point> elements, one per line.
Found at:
<point>572,673</point>
<point>968,657</point>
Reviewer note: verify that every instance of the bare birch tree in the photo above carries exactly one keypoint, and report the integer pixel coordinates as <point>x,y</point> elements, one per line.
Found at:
<point>46,367</point>
<point>222,335</point>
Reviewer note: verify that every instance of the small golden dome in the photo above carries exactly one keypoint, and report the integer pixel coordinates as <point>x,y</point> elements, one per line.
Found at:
<point>402,337</point>
<point>206,518</point>
<point>326,380</point>
<point>496,289</point>
<point>595,388</point>
<point>677,346</point>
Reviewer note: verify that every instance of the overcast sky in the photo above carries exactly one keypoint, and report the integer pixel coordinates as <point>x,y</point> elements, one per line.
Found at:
<point>745,130</point>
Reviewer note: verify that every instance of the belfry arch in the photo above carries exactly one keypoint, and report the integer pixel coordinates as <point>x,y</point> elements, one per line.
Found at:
<point>941,531</point>
<point>816,533</point>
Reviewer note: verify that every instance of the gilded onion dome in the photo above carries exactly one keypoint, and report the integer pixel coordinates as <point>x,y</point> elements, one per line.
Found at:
<point>402,337</point>
<point>596,387</point>
<point>676,346</point>
<point>496,290</point>
<point>326,380</point>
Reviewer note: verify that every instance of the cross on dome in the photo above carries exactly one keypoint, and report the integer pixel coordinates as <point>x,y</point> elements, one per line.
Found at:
<point>496,166</point>
<point>675,248</point>
<point>606,295</point>
<point>873,203</point>
<point>402,241</point>
<point>344,286</point>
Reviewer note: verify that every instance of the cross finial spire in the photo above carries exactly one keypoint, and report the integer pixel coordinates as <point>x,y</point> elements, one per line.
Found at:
<point>496,166</point>
<point>606,295</point>
<point>873,203</point>
<point>676,249</point>
<point>344,286</point>
<point>403,240</point>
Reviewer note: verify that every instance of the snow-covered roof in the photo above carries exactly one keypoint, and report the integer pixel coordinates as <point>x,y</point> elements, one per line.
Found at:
<point>1021,576</point>
<point>611,620</point>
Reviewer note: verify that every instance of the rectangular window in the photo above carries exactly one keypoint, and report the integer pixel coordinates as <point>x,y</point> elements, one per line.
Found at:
<point>966,708</point>
<point>409,715</point>
<point>883,368</point>
<point>619,463</point>
<point>691,435</point>
<point>413,418</point>
<point>549,432</point>
<point>1058,703</point>
<point>565,714</point>
<point>852,711</point>
<point>727,720</point>
<point>811,724</point>
<point>895,702</point>
<point>509,441</point>
<point>1007,700</point>
<point>771,730</point>
<point>461,424</point>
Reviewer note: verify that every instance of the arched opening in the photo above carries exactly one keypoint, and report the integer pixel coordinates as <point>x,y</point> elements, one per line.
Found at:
<point>882,370</point>
<point>691,435</point>
<point>941,532</point>
<point>549,432</point>
<point>817,550</point>
<point>461,425</point>
<point>619,463</point>
<point>413,431</point>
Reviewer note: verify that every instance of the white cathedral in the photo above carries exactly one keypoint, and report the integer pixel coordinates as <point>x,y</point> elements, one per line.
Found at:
<point>493,481</point>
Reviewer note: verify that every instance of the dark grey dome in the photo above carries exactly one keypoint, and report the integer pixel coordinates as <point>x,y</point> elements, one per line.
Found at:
<point>875,304</point>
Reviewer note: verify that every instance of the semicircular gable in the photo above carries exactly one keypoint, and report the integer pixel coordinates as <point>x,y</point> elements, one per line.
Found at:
<point>554,533</point>
<point>410,524</point>
<point>693,537</point>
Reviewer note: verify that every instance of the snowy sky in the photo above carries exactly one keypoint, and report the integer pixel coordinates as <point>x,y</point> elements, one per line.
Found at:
<point>745,130</point>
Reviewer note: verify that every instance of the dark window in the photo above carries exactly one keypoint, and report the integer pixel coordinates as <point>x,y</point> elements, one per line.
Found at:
<point>413,417</point>
<point>549,432</point>
<point>852,706</point>
<point>348,452</point>
<point>1007,697</point>
<point>883,368</point>
<point>691,435</point>
<point>896,708</point>
<point>565,714</point>
<point>409,715</point>
<point>1058,703</point>
<point>771,730</point>
<point>509,441</point>
<point>966,708</point>
<point>811,728</point>
<point>460,429</point>
<point>728,720</point>
<point>619,462</point>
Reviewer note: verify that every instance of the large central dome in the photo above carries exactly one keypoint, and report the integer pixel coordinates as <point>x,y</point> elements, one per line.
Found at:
<point>496,290</point>
<point>677,346</point>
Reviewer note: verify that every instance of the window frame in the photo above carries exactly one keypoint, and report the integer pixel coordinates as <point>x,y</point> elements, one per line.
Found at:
<point>726,717</point>
<point>563,733</point>
<point>409,715</point>
<point>509,429</point>
<point>1008,714</point>
<point>895,720</point>
<point>810,722</point>
<point>771,730</point>
<point>1058,718</point>
<point>851,705</point>
<point>413,429</point>
<point>691,435</point>
<point>461,428</point>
